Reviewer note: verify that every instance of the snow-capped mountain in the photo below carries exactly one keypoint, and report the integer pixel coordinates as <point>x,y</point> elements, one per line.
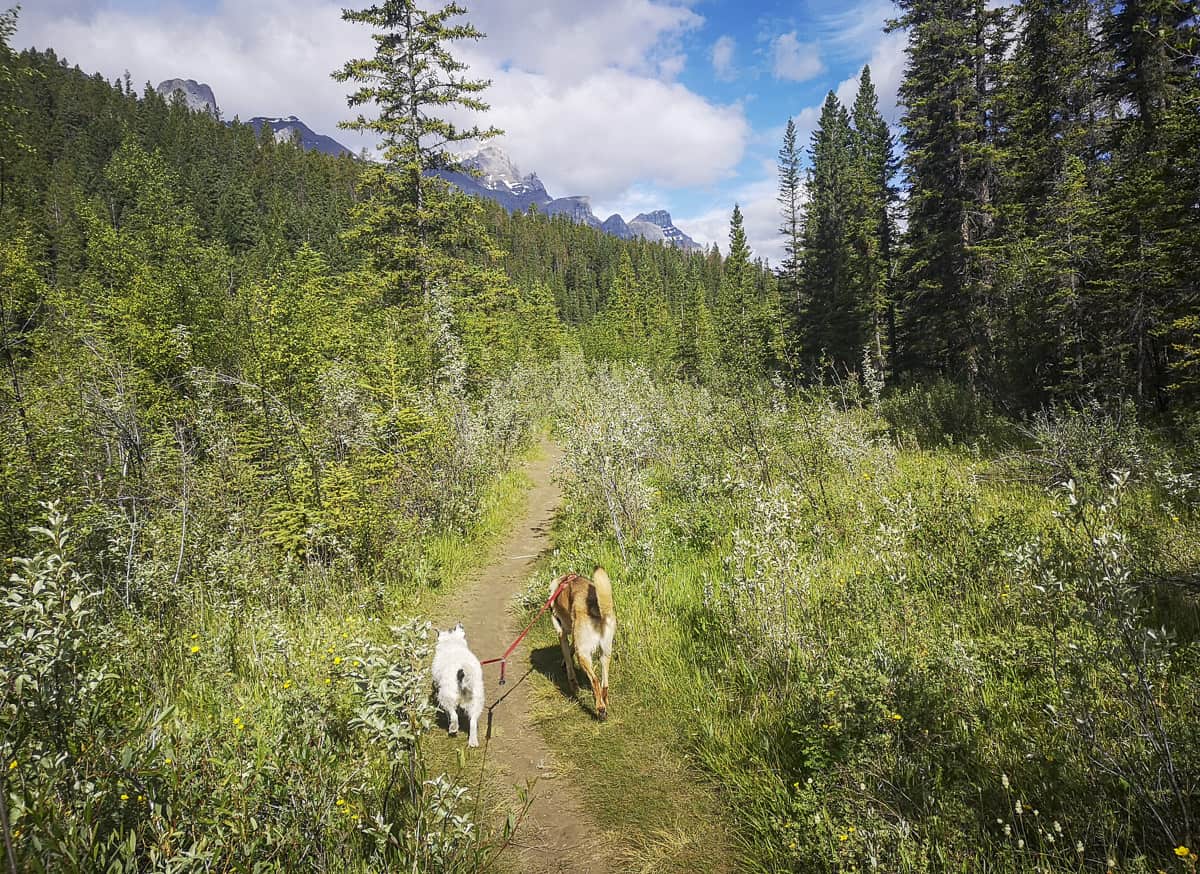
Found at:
<point>199,96</point>
<point>497,178</point>
<point>285,128</point>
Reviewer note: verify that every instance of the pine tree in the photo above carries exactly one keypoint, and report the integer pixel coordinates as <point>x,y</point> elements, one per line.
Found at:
<point>411,78</point>
<point>747,316</point>
<point>697,349</point>
<point>873,227</point>
<point>1152,199</point>
<point>1044,252</point>
<point>11,142</point>
<point>791,212</point>
<point>947,91</point>
<point>834,318</point>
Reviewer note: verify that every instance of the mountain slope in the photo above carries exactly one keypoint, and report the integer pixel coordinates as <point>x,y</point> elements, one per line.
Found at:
<point>286,128</point>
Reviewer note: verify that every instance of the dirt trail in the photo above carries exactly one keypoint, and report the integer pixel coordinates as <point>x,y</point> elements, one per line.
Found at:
<point>557,835</point>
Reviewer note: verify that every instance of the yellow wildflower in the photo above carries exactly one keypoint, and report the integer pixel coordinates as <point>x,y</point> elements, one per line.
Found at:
<point>195,649</point>
<point>12,765</point>
<point>124,797</point>
<point>287,684</point>
<point>1182,852</point>
<point>897,717</point>
<point>328,681</point>
<point>337,660</point>
<point>843,837</point>
<point>341,801</point>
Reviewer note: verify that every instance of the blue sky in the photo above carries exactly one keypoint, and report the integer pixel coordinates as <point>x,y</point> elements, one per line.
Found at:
<point>641,104</point>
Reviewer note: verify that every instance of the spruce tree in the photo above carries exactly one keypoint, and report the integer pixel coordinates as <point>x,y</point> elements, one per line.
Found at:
<point>834,316</point>
<point>791,212</point>
<point>1152,199</point>
<point>411,78</point>
<point>1049,171</point>
<point>748,318</point>
<point>947,86</point>
<point>872,235</point>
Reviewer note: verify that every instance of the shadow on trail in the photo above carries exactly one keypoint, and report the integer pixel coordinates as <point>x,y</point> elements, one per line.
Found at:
<point>548,662</point>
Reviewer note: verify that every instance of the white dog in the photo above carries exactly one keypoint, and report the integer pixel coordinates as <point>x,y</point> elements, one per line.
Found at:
<point>459,680</point>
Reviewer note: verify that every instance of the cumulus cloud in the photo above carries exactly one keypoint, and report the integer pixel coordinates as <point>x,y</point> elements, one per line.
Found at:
<point>585,91</point>
<point>600,135</point>
<point>758,202</point>
<point>570,40</point>
<point>722,58</point>
<point>794,60</point>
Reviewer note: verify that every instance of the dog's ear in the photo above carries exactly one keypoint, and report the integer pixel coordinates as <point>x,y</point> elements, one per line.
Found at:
<point>459,630</point>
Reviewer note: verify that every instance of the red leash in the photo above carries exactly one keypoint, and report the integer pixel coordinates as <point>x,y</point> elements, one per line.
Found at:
<point>503,660</point>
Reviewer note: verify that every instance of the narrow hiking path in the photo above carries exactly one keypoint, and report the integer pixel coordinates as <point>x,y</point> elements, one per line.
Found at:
<point>557,834</point>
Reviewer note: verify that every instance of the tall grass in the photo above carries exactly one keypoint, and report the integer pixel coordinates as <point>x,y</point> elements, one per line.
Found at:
<point>265,710</point>
<point>899,658</point>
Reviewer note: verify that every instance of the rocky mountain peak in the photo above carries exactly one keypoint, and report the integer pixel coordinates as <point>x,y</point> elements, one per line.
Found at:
<point>199,96</point>
<point>659,217</point>
<point>499,179</point>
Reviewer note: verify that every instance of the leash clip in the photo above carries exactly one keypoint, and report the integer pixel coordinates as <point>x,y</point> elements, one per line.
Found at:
<point>503,664</point>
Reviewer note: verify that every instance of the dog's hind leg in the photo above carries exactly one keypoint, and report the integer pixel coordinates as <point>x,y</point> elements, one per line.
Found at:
<point>568,661</point>
<point>585,662</point>
<point>473,729</point>
<point>606,640</point>
<point>604,657</point>
<point>452,716</point>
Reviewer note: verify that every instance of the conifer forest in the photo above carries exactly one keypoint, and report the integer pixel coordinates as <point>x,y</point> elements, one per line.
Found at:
<point>904,529</point>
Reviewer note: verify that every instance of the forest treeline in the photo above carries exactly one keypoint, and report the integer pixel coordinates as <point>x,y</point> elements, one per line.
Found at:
<point>1040,241</point>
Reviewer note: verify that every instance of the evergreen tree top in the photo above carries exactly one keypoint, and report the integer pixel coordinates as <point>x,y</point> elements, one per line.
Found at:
<point>411,76</point>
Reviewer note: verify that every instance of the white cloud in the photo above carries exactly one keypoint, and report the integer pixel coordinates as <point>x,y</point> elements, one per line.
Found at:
<point>760,216</point>
<point>794,60</point>
<point>887,70</point>
<point>886,59</point>
<point>267,58</point>
<point>573,39</point>
<point>600,135</point>
<point>722,58</point>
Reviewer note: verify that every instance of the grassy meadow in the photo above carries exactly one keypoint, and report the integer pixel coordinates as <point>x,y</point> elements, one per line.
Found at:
<point>887,645</point>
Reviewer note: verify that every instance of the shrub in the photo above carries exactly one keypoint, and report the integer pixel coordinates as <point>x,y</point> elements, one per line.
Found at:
<point>941,413</point>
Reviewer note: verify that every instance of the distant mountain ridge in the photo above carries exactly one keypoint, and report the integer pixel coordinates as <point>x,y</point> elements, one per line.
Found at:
<point>497,176</point>
<point>285,128</point>
<point>499,179</point>
<point>200,98</point>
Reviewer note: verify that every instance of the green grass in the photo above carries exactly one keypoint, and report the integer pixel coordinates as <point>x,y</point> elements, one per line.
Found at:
<point>879,680</point>
<point>238,737</point>
<point>658,810</point>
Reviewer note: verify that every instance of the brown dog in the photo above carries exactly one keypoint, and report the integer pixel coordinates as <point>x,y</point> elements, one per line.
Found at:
<point>584,610</point>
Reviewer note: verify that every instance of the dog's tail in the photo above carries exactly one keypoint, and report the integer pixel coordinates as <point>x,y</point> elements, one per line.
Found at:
<point>603,587</point>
